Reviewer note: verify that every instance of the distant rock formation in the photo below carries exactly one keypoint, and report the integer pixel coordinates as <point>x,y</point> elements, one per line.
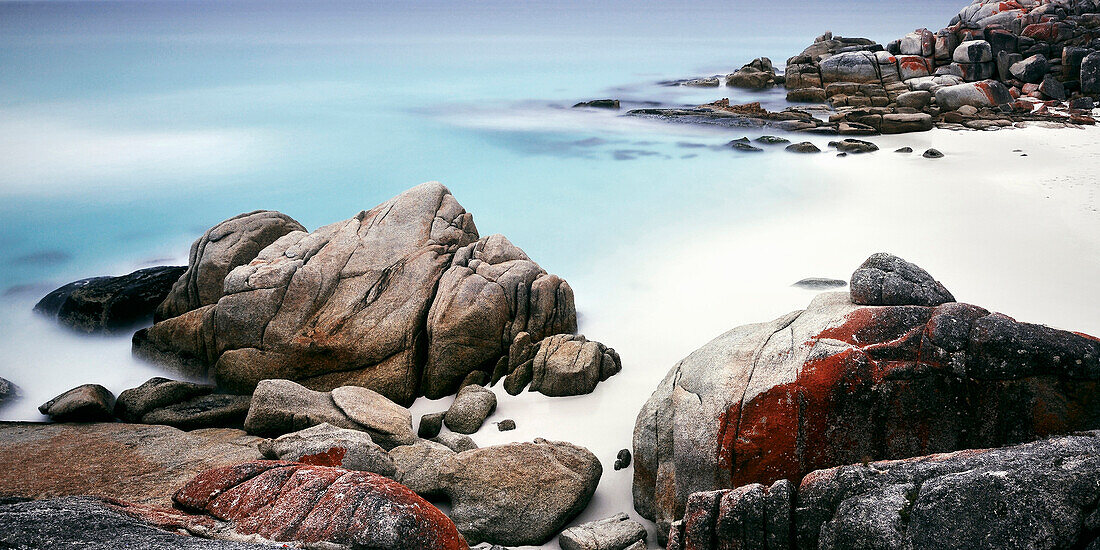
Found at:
<point>405,299</point>
<point>907,374</point>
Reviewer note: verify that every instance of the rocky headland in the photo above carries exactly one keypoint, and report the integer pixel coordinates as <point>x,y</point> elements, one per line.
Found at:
<point>996,65</point>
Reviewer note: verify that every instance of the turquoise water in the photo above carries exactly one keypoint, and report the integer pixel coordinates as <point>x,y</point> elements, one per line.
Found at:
<point>128,128</point>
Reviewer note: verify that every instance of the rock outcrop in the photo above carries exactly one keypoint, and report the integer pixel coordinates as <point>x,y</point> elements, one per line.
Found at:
<point>839,382</point>
<point>404,299</point>
<point>136,463</point>
<point>1037,495</point>
<point>520,493</point>
<point>96,524</point>
<point>293,502</point>
<point>224,247</point>
<point>755,75</point>
<point>110,305</point>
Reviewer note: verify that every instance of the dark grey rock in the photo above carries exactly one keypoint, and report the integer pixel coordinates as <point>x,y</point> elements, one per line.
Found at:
<point>110,304</point>
<point>1083,103</point>
<point>1090,74</point>
<point>87,403</point>
<point>887,280</point>
<point>933,154</point>
<point>86,523</point>
<point>745,147</point>
<point>430,425</point>
<point>614,533</point>
<point>1032,69</point>
<point>904,150</point>
<point>803,147</point>
<point>819,283</point>
<point>622,460</point>
<point>134,403</point>
<point>204,411</point>
<point>506,425</point>
<point>599,104</point>
<point>772,140</point>
<point>8,391</point>
<point>854,146</point>
<point>470,409</point>
<point>1052,88</point>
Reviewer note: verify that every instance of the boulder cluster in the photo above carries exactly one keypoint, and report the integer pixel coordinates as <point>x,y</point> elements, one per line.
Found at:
<point>733,442</point>
<point>1005,62</point>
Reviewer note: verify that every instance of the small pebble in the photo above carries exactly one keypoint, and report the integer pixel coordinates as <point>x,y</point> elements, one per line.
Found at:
<point>622,460</point>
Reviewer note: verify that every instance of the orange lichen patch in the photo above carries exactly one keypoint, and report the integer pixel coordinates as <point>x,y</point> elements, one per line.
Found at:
<point>292,502</point>
<point>331,457</point>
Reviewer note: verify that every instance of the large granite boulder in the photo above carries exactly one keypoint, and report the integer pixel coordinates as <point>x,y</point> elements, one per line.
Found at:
<point>839,382</point>
<point>490,294</point>
<point>91,523</point>
<point>155,393</point>
<point>300,503</point>
<point>281,407</point>
<point>231,243</point>
<point>1038,495</point>
<point>520,493</point>
<point>859,67</point>
<point>110,305</point>
<point>618,532</point>
<point>137,463</point>
<point>987,93</point>
<point>404,299</point>
<point>327,445</point>
<point>1090,73</point>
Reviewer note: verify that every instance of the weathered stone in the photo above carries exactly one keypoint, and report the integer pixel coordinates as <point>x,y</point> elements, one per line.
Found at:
<point>1090,73</point>
<point>491,293</point>
<point>291,502</point>
<point>8,392</point>
<point>912,66</point>
<point>809,95</point>
<point>110,305</point>
<point>1051,88</point>
<point>916,100</point>
<point>932,154</point>
<point>137,463</point>
<point>568,364</point>
<point>227,245</point>
<point>1036,495</point>
<point>973,51</point>
<point>456,442</point>
<point>854,146</point>
<point>86,403</point>
<point>919,42</point>
<point>470,409</point>
<point>520,493</point>
<point>1032,69</point>
<point>417,466</point>
<point>388,423</point>
<point>840,382</point>
<point>204,411</point>
<point>904,123</point>
<point>622,460</point>
<point>803,147</point>
<point>506,425</point>
<point>281,406</point>
<point>90,523</point>
<point>327,445</point>
<point>157,392</point>
<point>756,75</point>
<point>887,280</point>
<point>850,67</point>
<point>987,93</point>
<point>614,533</point>
<point>430,425</point>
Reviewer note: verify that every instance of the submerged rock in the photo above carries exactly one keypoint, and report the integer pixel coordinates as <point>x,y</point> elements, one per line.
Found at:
<point>520,493</point>
<point>803,147</point>
<point>840,382</point>
<point>854,146</point>
<point>87,403</point>
<point>291,502</point>
<point>1037,495</point>
<point>109,305</point>
<point>932,154</point>
<point>599,104</point>
<point>815,283</point>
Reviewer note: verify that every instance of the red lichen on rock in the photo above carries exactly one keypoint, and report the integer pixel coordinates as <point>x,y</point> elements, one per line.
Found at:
<point>331,457</point>
<point>293,502</point>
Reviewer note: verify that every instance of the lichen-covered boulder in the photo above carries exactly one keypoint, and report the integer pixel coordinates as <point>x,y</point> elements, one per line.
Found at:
<point>293,502</point>
<point>520,493</point>
<point>986,93</point>
<point>282,406</point>
<point>859,67</point>
<point>231,243</point>
<point>1036,495</point>
<point>491,293</point>
<point>839,382</point>
<point>110,305</point>
<point>327,445</point>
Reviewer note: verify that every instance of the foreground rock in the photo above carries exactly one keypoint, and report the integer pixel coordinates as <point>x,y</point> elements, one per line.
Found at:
<point>404,299</point>
<point>95,524</point>
<point>136,463</point>
<point>109,305</point>
<point>87,403</point>
<point>291,502</point>
<point>281,406</point>
<point>520,493</point>
<point>614,533</point>
<point>839,382</point>
<point>1037,495</point>
<point>227,245</point>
